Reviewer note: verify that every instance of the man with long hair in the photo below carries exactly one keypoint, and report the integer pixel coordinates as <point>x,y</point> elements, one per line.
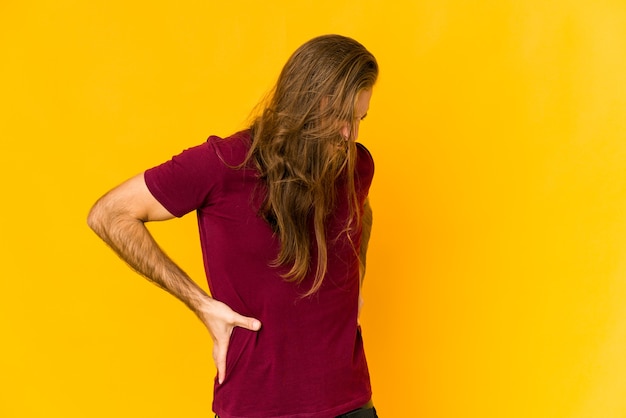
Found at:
<point>284,223</point>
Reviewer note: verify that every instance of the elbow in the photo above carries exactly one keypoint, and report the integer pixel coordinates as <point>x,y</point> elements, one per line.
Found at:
<point>96,218</point>
<point>107,215</point>
<point>93,218</point>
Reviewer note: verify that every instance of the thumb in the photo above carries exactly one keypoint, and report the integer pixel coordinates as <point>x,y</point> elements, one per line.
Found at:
<point>246,322</point>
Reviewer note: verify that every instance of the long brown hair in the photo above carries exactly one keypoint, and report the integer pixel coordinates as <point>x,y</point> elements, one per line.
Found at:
<point>299,150</point>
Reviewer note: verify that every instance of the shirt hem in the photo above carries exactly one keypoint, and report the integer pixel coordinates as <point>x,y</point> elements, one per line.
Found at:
<point>328,413</point>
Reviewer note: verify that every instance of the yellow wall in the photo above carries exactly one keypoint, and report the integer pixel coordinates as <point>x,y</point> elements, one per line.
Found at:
<point>498,262</point>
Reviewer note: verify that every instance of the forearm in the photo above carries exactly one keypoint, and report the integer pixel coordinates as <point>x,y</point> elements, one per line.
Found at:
<point>132,241</point>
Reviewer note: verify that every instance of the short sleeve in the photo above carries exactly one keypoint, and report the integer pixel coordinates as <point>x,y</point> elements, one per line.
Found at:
<point>364,170</point>
<point>185,182</point>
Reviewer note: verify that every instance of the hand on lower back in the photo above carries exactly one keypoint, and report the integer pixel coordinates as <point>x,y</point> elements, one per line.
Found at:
<point>220,320</point>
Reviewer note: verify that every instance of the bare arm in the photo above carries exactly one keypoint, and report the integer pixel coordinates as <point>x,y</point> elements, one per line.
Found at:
<point>119,218</point>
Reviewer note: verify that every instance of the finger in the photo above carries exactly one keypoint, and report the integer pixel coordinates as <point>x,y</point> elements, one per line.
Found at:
<point>246,322</point>
<point>220,363</point>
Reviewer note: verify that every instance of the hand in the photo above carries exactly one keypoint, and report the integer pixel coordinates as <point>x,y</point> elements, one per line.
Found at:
<point>220,320</point>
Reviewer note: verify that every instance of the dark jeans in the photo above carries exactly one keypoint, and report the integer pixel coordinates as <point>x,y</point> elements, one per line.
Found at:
<point>359,413</point>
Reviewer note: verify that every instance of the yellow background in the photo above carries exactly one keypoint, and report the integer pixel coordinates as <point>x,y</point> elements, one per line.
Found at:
<point>497,267</point>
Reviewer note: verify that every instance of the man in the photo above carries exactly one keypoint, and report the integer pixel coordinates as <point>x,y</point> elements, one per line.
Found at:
<point>284,224</point>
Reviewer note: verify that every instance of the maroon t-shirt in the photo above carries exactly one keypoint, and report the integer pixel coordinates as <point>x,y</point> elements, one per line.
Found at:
<point>307,360</point>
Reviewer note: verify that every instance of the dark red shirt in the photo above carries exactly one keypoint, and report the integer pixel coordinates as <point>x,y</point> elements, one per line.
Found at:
<point>308,359</point>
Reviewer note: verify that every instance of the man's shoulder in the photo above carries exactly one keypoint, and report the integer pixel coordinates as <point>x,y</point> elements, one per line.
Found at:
<point>231,150</point>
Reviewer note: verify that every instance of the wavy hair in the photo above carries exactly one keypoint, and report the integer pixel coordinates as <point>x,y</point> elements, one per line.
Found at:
<point>300,152</point>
